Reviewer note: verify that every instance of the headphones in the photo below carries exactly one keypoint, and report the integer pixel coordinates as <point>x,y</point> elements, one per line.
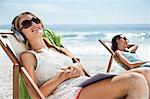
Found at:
<point>17,34</point>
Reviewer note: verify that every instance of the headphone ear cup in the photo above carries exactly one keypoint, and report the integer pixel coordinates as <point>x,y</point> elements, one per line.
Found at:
<point>18,35</point>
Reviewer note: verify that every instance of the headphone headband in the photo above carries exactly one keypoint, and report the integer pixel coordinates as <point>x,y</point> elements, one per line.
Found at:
<point>17,34</point>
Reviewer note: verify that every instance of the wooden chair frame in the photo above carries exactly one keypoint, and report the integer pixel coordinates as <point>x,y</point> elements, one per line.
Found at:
<point>113,56</point>
<point>18,68</point>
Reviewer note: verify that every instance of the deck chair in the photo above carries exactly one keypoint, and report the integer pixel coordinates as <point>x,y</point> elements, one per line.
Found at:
<point>8,41</point>
<point>17,66</point>
<point>113,56</point>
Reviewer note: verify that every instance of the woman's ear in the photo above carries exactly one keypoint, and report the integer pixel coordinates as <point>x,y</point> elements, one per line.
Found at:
<point>18,35</point>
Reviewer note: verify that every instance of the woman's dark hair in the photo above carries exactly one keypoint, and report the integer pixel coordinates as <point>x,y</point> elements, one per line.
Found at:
<point>114,45</point>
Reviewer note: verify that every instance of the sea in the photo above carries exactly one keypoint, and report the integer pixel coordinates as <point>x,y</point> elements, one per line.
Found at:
<point>82,41</point>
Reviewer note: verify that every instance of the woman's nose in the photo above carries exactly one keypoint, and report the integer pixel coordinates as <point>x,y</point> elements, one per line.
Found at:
<point>33,23</point>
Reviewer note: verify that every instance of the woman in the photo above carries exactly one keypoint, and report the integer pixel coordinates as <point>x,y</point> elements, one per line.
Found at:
<point>126,52</point>
<point>59,78</point>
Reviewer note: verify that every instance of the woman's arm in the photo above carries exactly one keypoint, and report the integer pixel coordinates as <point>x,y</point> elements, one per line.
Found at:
<point>127,62</point>
<point>64,74</point>
<point>132,48</point>
<point>48,87</point>
<point>74,71</point>
<point>29,61</point>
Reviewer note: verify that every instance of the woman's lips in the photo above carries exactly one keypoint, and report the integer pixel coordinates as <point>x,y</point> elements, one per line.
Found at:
<point>35,29</point>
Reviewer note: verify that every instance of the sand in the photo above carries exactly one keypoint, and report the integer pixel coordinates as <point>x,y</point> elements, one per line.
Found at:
<point>5,78</point>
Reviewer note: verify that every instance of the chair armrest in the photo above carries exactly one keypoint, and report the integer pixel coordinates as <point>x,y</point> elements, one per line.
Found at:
<point>35,90</point>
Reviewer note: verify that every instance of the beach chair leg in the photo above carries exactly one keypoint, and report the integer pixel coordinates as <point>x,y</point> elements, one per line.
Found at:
<point>110,63</point>
<point>16,81</point>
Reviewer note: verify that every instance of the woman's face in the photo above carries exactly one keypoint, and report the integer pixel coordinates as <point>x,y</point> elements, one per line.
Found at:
<point>30,26</point>
<point>122,42</point>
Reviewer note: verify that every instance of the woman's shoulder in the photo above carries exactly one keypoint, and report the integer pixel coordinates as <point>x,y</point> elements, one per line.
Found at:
<point>27,53</point>
<point>118,51</point>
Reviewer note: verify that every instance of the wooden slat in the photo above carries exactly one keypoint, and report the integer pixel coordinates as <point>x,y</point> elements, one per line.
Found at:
<point>16,81</point>
<point>110,63</point>
<point>31,83</point>
<point>8,51</point>
<point>112,52</point>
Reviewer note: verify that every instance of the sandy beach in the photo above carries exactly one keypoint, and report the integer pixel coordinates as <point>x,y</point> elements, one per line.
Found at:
<point>5,77</point>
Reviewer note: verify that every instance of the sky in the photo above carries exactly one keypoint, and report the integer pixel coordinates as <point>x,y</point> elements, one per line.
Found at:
<point>79,11</point>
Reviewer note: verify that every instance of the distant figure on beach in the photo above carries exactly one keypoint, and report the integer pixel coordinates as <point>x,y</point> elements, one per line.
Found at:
<point>127,52</point>
<point>59,78</point>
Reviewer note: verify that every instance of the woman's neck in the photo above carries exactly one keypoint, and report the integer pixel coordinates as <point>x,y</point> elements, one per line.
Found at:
<point>38,44</point>
<point>121,48</point>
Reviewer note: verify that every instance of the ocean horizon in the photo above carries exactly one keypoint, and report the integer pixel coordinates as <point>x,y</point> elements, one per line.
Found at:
<point>93,27</point>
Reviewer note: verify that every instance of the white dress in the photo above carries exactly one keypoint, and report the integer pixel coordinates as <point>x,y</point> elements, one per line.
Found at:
<point>49,63</point>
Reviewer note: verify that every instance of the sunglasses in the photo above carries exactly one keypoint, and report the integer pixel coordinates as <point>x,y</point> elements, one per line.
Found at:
<point>27,23</point>
<point>123,37</point>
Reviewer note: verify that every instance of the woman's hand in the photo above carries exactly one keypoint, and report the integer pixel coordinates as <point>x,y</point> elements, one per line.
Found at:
<point>74,71</point>
<point>62,75</point>
<point>132,48</point>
